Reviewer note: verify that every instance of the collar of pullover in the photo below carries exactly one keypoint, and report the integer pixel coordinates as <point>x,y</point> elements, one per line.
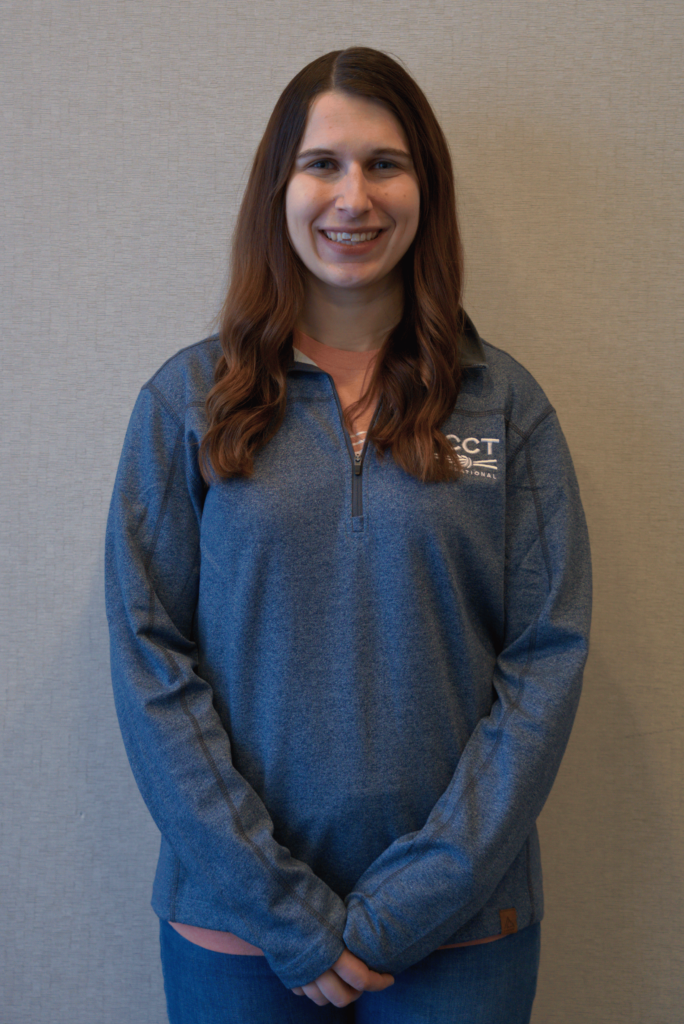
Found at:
<point>472,350</point>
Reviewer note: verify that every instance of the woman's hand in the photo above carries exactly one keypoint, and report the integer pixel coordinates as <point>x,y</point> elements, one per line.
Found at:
<point>345,981</point>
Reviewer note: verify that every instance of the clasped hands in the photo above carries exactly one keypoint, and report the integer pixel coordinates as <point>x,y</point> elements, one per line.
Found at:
<point>345,981</point>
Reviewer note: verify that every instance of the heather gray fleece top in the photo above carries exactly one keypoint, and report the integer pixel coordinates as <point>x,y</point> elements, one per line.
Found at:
<point>345,694</point>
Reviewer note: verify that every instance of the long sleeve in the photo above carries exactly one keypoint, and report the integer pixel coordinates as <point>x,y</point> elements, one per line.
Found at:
<point>428,884</point>
<point>178,748</point>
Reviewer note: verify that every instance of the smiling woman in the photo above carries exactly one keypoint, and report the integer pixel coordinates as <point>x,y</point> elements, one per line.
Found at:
<point>348,590</point>
<point>352,143</point>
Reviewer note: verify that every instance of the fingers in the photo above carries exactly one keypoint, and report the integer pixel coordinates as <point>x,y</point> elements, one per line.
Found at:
<point>355,973</point>
<point>330,988</point>
<point>314,993</point>
<point>336,990</point>
<point>352,970</point>
<point>344,982</point>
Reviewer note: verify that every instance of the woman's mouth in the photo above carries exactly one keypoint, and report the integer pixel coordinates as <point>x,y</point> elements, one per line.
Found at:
<point>351,237</point>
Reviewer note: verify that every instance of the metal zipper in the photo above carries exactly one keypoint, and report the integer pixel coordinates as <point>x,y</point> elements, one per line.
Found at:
<point>356,460</point>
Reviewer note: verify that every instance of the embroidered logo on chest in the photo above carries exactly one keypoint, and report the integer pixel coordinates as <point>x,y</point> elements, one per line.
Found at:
<point>477,455</point>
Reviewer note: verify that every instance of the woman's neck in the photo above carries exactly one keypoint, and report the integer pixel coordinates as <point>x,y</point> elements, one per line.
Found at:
<point>358,321</point>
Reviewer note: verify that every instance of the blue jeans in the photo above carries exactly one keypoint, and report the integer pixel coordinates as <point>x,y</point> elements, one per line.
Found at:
<point>493,983</point>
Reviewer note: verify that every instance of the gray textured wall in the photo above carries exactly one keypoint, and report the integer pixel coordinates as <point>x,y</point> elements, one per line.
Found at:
<point>127,134</point>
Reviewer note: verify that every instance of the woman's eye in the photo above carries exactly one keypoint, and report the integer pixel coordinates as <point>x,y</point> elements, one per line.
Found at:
<point>321,165</point>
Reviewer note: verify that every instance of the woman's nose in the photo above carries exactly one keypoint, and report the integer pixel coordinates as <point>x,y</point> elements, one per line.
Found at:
<point>354,197</point>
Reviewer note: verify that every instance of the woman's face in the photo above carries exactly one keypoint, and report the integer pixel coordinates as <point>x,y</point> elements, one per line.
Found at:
<point>352,202</point>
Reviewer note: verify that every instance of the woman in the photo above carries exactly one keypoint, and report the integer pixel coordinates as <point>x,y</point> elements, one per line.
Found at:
<point>348,590</point>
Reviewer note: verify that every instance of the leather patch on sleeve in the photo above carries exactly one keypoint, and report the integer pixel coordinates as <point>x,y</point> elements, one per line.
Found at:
<point>509,921</point>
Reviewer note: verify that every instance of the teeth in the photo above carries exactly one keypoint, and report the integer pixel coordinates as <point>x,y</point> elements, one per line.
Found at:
<point>351,239</point>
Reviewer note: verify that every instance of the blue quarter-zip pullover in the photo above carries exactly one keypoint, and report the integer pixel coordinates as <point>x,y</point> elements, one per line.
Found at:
<point>345,695</point>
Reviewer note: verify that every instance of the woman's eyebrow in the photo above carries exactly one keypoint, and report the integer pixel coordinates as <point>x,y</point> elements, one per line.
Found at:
<point>380,151</point>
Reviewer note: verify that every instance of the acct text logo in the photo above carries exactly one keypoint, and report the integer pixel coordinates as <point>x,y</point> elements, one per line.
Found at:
<point>470,450</point>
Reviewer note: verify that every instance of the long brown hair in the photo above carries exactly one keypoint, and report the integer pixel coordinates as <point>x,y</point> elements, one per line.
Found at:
<point>417,372</point>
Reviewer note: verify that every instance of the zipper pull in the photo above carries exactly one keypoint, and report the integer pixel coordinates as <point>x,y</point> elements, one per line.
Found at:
<point>358,466</point>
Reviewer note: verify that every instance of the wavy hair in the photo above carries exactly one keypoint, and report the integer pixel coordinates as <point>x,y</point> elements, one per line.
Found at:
<point>417,372</point>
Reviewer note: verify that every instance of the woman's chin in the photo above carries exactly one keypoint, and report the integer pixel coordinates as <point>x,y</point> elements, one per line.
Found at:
<point>348,277</point>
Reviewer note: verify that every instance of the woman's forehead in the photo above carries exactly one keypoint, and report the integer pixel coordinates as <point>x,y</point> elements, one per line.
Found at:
<point>339,119</point>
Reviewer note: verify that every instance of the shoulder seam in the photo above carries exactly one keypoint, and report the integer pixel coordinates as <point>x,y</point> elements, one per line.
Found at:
<point>526,435</point>
<point>154,390</point>
<point>541,525</point>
